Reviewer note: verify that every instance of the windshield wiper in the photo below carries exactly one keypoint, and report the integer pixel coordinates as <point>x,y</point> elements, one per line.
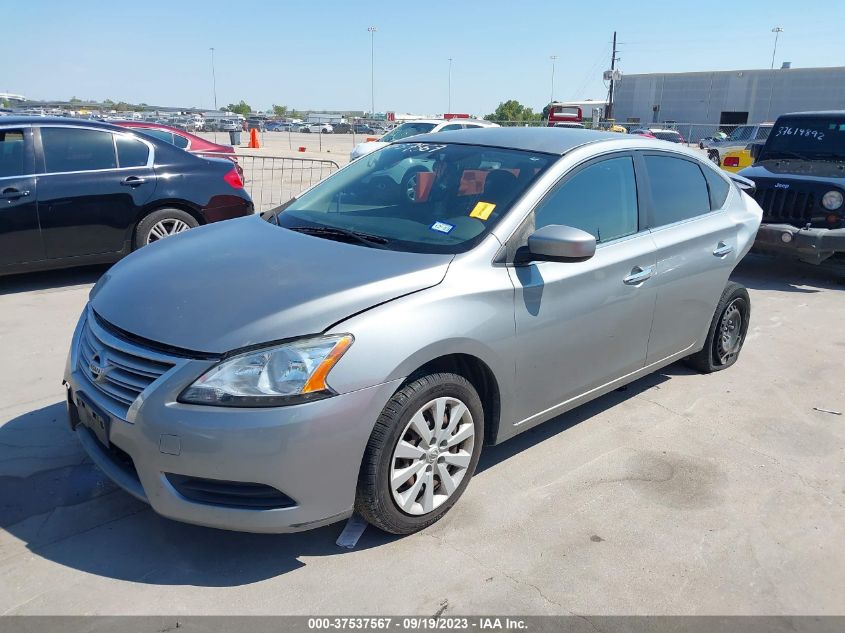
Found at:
<point>344,234</point>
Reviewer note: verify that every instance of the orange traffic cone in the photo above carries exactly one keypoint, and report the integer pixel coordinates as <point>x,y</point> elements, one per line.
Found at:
<point>253,139</point>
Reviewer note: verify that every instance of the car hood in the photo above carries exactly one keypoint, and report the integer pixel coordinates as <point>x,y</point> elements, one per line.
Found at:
<point>244,282</point>
<point>805,170</point>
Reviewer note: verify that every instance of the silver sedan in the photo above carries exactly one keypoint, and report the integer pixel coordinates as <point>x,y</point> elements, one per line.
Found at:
<point>355,349</point>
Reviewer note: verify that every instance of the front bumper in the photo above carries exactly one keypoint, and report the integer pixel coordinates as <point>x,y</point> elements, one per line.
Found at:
<point>310,452</point>
<point>813,245</point>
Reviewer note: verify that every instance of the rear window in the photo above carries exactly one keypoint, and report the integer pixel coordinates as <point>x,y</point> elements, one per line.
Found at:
<point>678,189</point>
<point>77,149</point>
<point>11,153</point>
<point>667,136</point>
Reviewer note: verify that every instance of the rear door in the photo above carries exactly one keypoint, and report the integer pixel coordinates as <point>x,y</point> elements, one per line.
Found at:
<point>94,185</point>
<point>20,234</point>
<point>696,248</point>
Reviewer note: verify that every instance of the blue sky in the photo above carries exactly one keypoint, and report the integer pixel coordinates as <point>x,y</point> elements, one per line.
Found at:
<point>317,54</point>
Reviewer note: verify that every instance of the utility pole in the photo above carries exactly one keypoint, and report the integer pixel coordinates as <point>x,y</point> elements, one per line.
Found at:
<point>450,86</point>
<point>608,113</point>
<point>213,78</point>
<point>552,97</point>
<point>372,30</point>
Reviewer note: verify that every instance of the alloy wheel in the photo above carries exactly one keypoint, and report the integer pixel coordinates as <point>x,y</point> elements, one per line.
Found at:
<point>166,228</point>
<point>432,455</point>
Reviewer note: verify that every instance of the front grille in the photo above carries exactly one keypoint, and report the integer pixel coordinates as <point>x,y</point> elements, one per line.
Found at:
<point>785,205</point>
<point>229,494</point>
<point>118,369</point>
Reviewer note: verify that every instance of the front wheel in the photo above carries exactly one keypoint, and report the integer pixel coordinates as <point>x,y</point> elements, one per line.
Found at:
<point>421,454</point>
<point>727,332</point>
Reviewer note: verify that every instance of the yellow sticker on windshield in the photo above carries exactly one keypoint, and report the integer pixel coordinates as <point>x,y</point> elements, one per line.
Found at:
<point>482,210</point>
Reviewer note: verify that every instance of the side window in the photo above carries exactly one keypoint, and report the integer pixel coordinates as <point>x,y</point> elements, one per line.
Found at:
<point>11,153</point>
<point>451,126</point>
<point>131,152</point>
<point>678,189</point>
<point>77,149</point>
<point>470,126</point>
<point>180,141</point>
<point>718,187</point>
<point>600,199</point>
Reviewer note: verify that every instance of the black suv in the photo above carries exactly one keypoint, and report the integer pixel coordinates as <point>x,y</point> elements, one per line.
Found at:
<point>76,192</point>
<point>800,178</point>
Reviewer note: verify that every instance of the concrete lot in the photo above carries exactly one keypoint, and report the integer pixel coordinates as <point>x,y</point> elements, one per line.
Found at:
<point>683,494</point>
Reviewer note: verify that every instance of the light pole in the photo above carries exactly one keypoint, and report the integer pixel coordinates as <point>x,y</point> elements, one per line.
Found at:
<point>777,31</point>
<point>372,30</point>
<point>449,109</point>
<point>214,86</point>
<point>552,97</point>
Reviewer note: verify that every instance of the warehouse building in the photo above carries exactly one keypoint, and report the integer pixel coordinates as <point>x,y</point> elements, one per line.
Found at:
<point>727,97</point>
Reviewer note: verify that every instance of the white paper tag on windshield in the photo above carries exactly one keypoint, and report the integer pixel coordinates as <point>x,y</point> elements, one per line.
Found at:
<point>442,227</point>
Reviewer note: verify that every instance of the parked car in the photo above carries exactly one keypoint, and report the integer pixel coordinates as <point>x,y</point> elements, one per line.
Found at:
<point>300,127</point>
<point>318,128</point>
<point>184,140</point>
<point>80,192</point>
<point>663,134</point>
<point>738,140</point>
<point>340,379</point>
<point>256,124</point>
<point>363,128</point>
<point>341,128</point>
<point>411,128</point>
<point>642,132</point>
<point>799,173</point>
<point>230,125</point>
<point>738,159</point>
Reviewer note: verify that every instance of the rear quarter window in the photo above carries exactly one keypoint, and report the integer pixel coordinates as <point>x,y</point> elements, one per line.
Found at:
<point>717,186</point>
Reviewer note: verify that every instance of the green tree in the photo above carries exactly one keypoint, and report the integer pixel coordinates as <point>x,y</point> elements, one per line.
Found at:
<point>513,110</point>
<point>239,108</point>
<point>280,110</point>
<point>75,100</point>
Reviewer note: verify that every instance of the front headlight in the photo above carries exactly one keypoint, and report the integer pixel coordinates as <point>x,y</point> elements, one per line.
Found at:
<point>832,200</point>
<point>272,376</point>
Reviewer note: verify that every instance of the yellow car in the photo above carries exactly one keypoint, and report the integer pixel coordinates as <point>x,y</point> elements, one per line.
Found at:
<point>738,159</point>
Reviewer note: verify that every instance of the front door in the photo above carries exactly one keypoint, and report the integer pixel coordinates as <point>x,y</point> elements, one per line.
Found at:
<point>20,235</point>
<point>582,324</point>
<point>93,188</point>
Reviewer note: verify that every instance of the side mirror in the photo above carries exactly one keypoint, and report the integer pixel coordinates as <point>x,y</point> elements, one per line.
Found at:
<point>556,242</point>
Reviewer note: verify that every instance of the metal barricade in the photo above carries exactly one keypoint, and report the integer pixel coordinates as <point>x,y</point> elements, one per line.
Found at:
<point>273,180</point>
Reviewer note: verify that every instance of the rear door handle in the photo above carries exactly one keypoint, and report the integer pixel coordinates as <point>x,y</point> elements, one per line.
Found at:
<point>133,181</point>
<point>638,275</point>
<point>10,193</point>
<point>723,249</point>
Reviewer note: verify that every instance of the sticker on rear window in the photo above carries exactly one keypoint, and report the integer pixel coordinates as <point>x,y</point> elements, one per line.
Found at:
<point>482,210</point>
<point>442,227</point>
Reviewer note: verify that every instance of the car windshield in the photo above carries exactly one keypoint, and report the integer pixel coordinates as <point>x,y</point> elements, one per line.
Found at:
<point>418,197</point>
<point>811,138</point>
<point>407,129</point>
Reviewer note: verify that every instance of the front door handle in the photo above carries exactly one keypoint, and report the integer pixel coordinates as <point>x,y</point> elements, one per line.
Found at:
<point>723,249</point>
<point>133,181</point>
<point>638,275</point>
<point>10,193</point>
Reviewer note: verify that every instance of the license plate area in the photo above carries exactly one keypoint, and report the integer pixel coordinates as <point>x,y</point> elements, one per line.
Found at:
<point>94,418</point>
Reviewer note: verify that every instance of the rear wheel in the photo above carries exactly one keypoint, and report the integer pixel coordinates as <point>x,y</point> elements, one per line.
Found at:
<point>422,453</point>
<point>161,224</point>
<point>727,332</point>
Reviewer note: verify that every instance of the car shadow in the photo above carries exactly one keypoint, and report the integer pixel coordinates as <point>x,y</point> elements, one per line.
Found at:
<point>51,279</point>
<point>56,502</point>
<point>760,272</point>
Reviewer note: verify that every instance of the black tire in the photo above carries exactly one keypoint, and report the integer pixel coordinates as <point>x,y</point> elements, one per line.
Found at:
<point>142,231</point>
<point>721,349</point>
<point>374,499</point>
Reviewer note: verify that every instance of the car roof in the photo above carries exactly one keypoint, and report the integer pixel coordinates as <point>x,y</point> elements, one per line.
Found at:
<point>54,120</point>
<point>537,139</point>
